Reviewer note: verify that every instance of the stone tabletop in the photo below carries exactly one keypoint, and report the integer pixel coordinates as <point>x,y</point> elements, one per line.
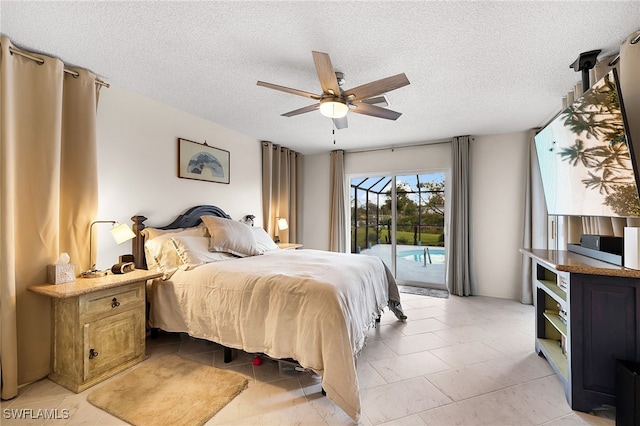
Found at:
<point>89,285</point>
<point>566,261</point>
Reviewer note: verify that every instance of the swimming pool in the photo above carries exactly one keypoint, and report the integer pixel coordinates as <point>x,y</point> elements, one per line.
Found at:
<point>436,254</point>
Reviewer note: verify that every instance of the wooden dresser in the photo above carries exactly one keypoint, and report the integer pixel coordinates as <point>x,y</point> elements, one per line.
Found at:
<point>587,318</point>
<point>98,327</point>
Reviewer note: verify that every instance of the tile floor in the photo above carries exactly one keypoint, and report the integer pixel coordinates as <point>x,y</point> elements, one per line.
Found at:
<point>456,361</point>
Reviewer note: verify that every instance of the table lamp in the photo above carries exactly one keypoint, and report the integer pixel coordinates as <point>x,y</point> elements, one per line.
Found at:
<point>120,234</point>
<point>282,224</point>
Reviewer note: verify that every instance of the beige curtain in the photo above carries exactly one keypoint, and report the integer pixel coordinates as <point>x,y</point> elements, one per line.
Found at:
<point>460,272</point>
<point>337,206</point>
<point>48,184</point>
<point>281,169</point>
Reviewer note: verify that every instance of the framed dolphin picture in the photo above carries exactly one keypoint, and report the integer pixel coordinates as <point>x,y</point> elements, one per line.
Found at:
<point>200,161</point>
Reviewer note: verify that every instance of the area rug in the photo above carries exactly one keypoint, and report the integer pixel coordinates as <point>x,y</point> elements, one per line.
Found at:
<point>169,390</point>
<point>433,292</point>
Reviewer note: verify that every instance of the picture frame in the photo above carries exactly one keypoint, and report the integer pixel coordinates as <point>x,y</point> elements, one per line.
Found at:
<point>199,161</point>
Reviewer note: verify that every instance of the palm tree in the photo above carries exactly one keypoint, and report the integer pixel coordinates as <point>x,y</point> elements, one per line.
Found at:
<point>597,116</point>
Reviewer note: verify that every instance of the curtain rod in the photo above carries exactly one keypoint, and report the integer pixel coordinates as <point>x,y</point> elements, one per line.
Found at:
<point>40,61</point>
<point>356,151</point>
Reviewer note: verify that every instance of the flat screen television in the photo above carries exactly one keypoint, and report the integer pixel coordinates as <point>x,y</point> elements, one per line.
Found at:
<point>586,158</point>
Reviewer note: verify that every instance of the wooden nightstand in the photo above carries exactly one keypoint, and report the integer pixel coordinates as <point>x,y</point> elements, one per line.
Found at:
<point>98,327</point>
<point>288,246</point>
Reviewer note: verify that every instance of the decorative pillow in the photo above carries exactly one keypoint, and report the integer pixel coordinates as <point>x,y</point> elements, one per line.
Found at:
<point>265,243</point>
<point>194,251</point>
<point>161,254</point>
<point>230,236</point>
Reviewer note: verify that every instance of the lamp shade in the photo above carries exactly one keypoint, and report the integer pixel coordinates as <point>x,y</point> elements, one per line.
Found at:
<point>282,223</point>
<point>333,108</point>
<point>122,233</point>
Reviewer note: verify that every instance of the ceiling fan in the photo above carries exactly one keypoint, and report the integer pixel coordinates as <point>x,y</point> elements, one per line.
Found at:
<point>334,102</point>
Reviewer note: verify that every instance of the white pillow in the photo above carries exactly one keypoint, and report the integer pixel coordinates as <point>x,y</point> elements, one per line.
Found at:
<point>161,253</point>
<point>194,251</point>
<point>265,243</point>
<point>230,236</point>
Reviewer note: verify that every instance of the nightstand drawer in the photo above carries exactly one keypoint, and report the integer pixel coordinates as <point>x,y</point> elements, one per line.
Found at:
<point>113,301</point>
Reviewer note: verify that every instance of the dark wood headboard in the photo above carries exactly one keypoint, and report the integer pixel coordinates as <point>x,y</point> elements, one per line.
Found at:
<point>188,219</point>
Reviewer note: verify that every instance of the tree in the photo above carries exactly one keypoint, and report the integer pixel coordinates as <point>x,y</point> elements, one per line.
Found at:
<point>405,206</point>
<point>624,201</point>
<point>361,212</point>
<point>434,199</point>
<point>597,116</point>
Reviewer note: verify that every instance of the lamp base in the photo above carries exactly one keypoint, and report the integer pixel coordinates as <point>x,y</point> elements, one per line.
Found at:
<point>93,274</point>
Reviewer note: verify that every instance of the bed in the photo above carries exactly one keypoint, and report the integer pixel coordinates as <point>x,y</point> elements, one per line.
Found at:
<point>231,285</point>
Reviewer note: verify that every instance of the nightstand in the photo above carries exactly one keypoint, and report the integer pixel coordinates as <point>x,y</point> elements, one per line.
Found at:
<point>288,246</point>
<point>98,327</point>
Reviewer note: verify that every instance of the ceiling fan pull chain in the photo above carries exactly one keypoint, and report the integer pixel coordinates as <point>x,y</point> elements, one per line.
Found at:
<point>333,130</point>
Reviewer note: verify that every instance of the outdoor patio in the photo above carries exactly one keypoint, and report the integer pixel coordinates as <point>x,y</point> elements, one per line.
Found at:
<point>413,272</point>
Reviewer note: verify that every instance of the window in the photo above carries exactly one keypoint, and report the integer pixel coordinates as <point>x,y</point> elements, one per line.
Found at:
<point>408,233</point>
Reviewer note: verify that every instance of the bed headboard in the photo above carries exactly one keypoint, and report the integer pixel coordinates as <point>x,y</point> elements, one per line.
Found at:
<point>188,219</point>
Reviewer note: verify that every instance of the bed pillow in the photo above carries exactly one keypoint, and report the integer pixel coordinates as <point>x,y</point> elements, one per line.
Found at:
<point>161,256</point>
<point>161,253</point>
<point>265,243</point>
<point>229,236</point>
<point>194,251</point>
<point>151,233</point>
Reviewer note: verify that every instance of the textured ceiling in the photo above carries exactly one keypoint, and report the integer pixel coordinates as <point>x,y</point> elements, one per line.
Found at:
<point>475,67</point>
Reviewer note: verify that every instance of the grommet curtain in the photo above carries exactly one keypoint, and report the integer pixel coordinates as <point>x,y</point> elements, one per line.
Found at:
<point>337,207</point>
<point>460,271</point>
<point>280,188</point>
<point>48,197</point>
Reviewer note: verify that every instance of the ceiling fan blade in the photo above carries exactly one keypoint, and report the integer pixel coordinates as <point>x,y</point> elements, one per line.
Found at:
<point>326,74</point>
<point>366,109</point>
<point>377,87</point>
<point>340,123</point>
<point>289,90</point>
<point>301,110</point>
<point>381,101</point>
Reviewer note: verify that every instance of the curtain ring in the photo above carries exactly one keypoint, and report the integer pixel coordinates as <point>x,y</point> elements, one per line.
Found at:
<point>614,61</point>
<point>635,39</point>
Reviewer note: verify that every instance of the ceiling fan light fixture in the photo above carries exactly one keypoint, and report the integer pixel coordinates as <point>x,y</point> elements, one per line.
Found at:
<point>333,108</point>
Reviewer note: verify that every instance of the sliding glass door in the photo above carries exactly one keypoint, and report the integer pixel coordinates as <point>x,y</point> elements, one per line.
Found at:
<point>400,218</point>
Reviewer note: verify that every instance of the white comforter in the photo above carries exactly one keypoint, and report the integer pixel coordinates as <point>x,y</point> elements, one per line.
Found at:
<point>312,306</point>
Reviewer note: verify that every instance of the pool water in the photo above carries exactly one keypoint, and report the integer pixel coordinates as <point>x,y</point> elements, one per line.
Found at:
<point>436,254</point>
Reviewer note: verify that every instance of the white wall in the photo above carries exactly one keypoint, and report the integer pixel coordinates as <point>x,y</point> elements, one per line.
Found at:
<point>498,167</point>
<point>137,166</point>
<point>435,157</point>
<point>315,201</point>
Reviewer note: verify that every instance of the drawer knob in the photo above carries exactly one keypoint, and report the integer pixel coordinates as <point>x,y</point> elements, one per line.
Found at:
<point>115,303</point>
<point>92,353</point>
